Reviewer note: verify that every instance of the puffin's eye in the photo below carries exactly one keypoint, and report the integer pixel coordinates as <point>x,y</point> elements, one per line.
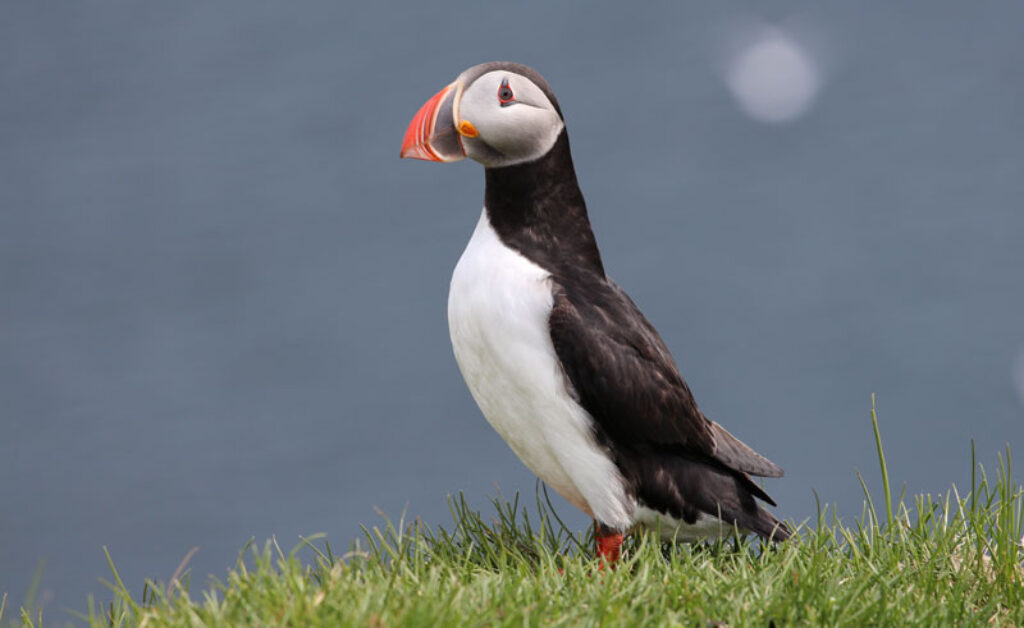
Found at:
<point>505,95</point>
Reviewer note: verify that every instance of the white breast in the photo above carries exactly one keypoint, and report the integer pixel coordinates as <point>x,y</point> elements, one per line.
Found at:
<point>498,311</point>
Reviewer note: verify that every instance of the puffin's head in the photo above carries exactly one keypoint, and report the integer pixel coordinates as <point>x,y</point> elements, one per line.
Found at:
<point>498,114</point>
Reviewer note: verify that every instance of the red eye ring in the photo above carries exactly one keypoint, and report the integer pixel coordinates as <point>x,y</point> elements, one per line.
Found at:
<point>505,95</point>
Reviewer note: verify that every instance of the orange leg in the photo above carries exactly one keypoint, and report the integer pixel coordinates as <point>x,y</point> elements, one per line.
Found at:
<point>608,542</point>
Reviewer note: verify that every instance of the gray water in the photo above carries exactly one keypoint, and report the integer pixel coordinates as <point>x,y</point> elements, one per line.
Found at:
<point>222,295</point>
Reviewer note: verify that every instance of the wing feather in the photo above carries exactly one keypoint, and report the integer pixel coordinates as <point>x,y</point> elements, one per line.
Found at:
<point>624,376</point>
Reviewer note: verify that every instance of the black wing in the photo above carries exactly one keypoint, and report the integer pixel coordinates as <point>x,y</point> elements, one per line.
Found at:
<point>624,376</point>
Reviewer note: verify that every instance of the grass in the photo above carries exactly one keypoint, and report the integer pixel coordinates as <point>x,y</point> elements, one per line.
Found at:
<point>947,559</point>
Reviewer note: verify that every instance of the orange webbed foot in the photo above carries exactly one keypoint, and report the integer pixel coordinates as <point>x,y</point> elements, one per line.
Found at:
<point>608,543</point>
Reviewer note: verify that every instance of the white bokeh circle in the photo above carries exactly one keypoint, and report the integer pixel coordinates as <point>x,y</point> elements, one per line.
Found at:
<point>772,77</point>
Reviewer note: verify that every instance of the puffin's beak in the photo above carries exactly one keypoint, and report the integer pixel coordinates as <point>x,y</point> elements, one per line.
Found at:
<point>432,134</point>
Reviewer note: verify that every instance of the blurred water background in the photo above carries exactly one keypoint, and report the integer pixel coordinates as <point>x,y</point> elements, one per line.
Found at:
<point>222,295</point>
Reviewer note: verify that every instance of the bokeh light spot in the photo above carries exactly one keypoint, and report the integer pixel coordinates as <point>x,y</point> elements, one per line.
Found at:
<point>772,77</point>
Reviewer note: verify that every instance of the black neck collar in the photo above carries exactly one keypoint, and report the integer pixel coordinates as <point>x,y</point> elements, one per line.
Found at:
<point>537,208</point>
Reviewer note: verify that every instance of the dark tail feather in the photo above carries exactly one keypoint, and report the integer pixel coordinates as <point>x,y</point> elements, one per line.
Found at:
<point>769,528</point>
<point>684,487</point>
<point>751,516</point>
<point>756,490</point>
<point>736,454</point>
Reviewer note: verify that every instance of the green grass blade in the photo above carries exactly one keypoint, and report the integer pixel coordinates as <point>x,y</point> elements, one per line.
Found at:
<point>882,464</point>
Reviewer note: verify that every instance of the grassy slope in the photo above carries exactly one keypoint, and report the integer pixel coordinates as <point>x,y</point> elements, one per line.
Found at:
<point>952,559</point>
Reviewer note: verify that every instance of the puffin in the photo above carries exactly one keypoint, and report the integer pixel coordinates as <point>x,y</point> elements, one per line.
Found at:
<point>559,359</point>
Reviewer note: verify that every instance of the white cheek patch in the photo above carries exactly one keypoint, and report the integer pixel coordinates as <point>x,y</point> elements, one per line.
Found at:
<point>526,130</point>
<point>510,134</point>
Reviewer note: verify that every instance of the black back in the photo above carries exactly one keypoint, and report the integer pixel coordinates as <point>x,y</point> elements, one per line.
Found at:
<point>618,368</point>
